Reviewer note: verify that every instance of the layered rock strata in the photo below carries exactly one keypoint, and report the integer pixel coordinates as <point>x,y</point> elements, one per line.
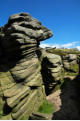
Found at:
<point>21,85</point>
<point>70,63</point>
<point>52,70</point>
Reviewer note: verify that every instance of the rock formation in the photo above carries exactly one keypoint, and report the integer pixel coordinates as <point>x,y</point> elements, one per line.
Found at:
<point>21,86</point>
<point>70,62</point>
<point>26,71</point>
<point>51,70</point>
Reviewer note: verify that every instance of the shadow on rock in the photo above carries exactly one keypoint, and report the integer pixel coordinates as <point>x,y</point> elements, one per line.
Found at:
<point>49,81</point>
<point>70,99</point>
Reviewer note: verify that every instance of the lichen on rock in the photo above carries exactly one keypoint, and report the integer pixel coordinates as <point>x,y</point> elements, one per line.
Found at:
<point>21,84</point>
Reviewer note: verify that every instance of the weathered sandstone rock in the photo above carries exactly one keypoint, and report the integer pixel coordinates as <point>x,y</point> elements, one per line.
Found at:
<point>21,84</point>
<point>70,63</point>
<point>51,70</point>
<point>26,71</point>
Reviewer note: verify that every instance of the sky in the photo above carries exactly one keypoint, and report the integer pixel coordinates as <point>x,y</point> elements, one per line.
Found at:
<point>60,16</point>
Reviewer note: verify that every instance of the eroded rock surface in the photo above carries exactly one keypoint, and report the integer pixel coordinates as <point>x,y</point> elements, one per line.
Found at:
<point>70,62</point>
<point>51,70</point>
<point>26,71</point>
<point>21,85</point>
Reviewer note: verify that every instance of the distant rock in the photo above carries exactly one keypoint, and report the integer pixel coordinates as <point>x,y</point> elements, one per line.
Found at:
<point>70,62</point>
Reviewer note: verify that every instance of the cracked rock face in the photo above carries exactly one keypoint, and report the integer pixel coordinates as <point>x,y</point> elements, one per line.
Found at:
<point>22,35</point>
<point>21,82</point>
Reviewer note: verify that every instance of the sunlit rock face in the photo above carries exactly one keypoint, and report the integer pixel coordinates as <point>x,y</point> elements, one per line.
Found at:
<point>22,35</point>
<point>70,63</point>
<point>21,84</point>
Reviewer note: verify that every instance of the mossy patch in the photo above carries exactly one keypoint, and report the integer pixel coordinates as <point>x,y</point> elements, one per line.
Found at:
<point>74,68</point>
<point>46,107</point>
<point>71,74</point>
<point>1,107</point>
<point>25,118</point>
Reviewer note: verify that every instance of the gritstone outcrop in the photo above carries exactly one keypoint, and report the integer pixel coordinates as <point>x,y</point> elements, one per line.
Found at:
<point>52,70</point>
<point>26,71</point>
<point>21,85</point>
<point>70,63</point>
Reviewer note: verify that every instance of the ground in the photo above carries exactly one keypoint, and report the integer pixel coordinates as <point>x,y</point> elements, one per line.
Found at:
<point>66,101</point>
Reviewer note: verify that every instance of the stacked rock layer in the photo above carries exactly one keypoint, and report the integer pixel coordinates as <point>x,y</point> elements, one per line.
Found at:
<point>51,70</point>
<point>21,85</point>
<point>70,63</point>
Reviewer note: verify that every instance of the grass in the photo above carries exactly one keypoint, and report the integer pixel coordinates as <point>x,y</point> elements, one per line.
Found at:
<point>46,107</point>
<point>24,118</point>
<point>71,74</point>
<point>63,51</point>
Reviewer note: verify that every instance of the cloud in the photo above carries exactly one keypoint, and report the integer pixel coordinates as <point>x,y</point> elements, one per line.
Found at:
<point>48,45</point>
<point>67,45</point>
<point>78,47</point>
<point>44,45</point>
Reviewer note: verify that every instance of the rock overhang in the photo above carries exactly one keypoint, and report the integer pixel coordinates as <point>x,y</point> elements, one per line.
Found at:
<point>29,26</point>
